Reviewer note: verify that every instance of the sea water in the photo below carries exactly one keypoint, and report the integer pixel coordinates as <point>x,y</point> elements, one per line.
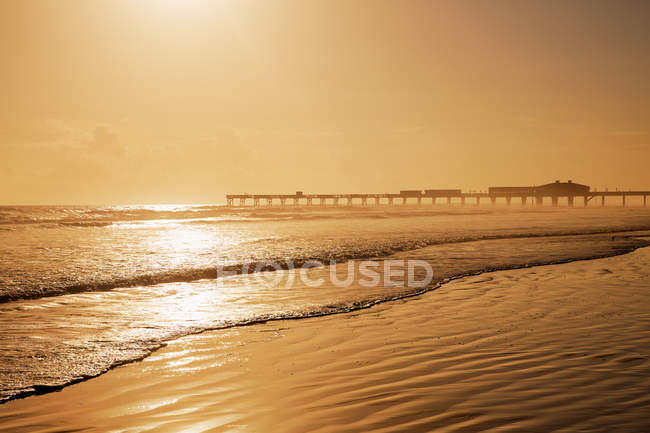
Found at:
<point>83,289</point>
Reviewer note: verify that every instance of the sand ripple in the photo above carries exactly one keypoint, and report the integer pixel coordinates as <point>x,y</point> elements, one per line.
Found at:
<point>555,348</point>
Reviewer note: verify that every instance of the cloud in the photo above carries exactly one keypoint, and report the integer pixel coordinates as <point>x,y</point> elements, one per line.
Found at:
<point>37,132</point>
<point>40,149</point>
<point>104,140</point>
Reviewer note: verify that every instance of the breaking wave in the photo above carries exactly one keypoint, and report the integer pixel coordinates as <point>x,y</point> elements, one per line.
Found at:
<point>24,292</point>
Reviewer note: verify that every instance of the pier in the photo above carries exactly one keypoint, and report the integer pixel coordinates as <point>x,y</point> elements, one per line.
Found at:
<point>536,195</point>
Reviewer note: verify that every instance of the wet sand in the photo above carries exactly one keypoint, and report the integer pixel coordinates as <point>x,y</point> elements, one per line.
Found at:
<point>550,348</point>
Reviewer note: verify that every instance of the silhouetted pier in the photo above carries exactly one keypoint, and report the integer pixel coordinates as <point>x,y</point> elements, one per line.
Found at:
<point>527,194</point>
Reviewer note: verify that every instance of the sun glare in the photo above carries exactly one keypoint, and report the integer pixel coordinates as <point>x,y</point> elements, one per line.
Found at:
<point>189,4</point>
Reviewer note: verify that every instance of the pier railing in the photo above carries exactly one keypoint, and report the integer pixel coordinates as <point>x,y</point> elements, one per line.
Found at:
<point>411,197</point>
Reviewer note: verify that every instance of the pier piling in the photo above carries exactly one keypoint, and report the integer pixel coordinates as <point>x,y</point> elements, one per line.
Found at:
<point>554,190</point>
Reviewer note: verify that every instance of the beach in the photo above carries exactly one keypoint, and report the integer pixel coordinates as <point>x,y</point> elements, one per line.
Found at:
<point>86,289</point>
<point>324,216</point>
<point>561,347</point>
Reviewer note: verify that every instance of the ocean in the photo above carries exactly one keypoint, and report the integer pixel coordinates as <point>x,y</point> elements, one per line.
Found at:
<point>84,289</point>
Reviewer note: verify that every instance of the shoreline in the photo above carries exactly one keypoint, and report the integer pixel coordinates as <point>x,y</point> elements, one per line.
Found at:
<point>47,389</point>
<point>236,363</point>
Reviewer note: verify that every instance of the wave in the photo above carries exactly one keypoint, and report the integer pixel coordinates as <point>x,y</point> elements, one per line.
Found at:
<point>85,223</point>
<point>628,243</point>
<point>45,216</point>
<point>279,263</point>
<point>61,214</point>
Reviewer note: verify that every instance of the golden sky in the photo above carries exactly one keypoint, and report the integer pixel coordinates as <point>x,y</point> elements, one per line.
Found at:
<point>182,101</point>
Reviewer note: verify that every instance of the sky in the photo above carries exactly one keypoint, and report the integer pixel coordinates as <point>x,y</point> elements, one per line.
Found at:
<point>184,101</point>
